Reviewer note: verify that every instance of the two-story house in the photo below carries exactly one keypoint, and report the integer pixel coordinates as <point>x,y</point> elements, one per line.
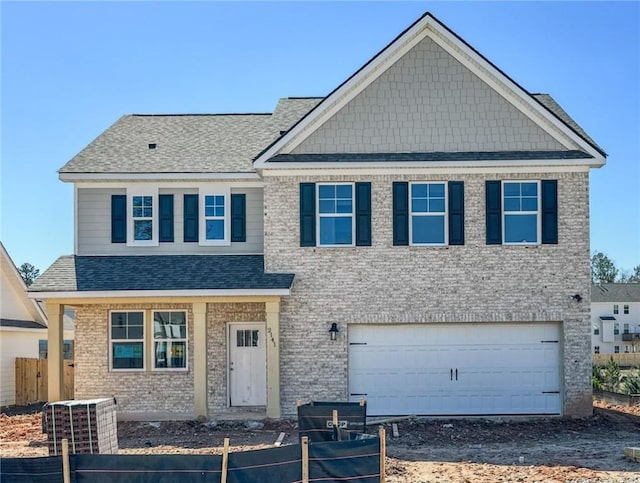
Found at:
<point>615,318</point>
<point>419,237</point>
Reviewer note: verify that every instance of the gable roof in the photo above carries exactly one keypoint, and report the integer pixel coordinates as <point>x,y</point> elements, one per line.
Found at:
<point>12,276</point>
<point>93,274</point>
<point>615,292</point>
<point>185,143</point>
<point>543,110</point>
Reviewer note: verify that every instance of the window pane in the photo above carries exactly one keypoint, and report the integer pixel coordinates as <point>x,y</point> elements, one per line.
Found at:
<point>343,206</point>
<point>142,230</point>
<point>511,189</point>
<point>427,229</point>
<point>137,212</point>
<point>327,206</point>
<point>436,205</point>
<point>247,338</point>
<point>512,204</point>
<point>436,190</point>
<point>134,318</point>
<point>529,189</point>
<point>343,191</point>
<point>215,230</point>
<point>335,231</point>
<point>419,205</point>
<point>127,355</point>
<point>170,355</point>
<point>326,192</point>
<point>418,190</point>
<point>529,204</point>
<point>135,332</point>
<point>254,340</point>
<point>239,338</point>
<point>521,228</point>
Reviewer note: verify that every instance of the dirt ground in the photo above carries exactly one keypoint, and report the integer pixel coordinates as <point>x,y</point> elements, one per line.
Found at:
<point>427,450</point>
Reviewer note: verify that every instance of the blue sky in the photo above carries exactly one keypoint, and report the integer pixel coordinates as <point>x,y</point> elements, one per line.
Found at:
<point>71,69</point>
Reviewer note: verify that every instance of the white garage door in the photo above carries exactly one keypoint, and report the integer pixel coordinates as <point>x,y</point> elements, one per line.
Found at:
<point>456,369</point>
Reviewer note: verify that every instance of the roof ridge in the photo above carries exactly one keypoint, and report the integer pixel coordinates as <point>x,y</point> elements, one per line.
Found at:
<point>205,114</point>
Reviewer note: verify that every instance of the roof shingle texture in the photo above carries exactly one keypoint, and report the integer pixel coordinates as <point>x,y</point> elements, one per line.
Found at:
<point>615,292</point>
<point>159,272</point>
<point>187,143</point>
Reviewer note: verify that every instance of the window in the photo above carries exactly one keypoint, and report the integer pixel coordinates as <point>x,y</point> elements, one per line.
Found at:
<point>214,217</point>
<point>142,218</point>
<point>127,340</point>
<point>626,349</point>
<point>335,214</point>
<point>170,340</point>
<point>616,310</point>
<point>616,349</point>
<point>67,349</point>
<point>596,349</point>
<point>428,214</point>
<point>625,329</point>
<point>247,338</point>
<point>616,329</point>
<point>521,217</point>
<point>625,309</point>
<point>596,330</point>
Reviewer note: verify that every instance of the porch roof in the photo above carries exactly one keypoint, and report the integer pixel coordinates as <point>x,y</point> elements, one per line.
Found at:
<point>159,272</point>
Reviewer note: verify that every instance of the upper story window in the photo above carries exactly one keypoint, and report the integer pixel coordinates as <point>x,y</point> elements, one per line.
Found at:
<point>625,309</point>
<point>625,329</point>
<point>616,329</point>
<point>428,213</point>
<point>521,212</point>
<point>126,340</point>
<point>335,214</point>
<point>142,216</point>
<point>170,340</point>
<point>214,217</point>
<point>616,309</point>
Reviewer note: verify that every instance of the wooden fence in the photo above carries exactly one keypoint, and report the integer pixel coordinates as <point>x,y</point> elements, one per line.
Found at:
<point>625,359</point>
<point>32,377</point>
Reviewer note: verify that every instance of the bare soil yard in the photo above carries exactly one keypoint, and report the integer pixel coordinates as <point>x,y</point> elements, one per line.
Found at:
<point>434,450</point>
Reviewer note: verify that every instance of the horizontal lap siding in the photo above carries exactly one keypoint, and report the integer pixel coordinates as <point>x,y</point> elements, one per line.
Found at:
<point>94,225</point>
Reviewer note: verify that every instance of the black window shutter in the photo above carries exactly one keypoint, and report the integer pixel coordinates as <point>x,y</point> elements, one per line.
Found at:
<point>238,217</point>
<point>456,212</point>
<point>400,213</point>
<point>165,203</point>
<point>363,214</point>
<point>118,218</point>
<point>550,211</point>
<point>190,218</point>
<point>307,214</point>
<point>494,212</point>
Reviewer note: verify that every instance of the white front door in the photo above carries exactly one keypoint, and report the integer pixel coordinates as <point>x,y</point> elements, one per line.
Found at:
<point>247,365</point>
<point>456,369</point>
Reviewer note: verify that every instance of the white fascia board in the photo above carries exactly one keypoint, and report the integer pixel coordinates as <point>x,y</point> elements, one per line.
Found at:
<point>159,184</point>
<point>351,88</point>
<point>128,177</point>
<point>512,92</point>
<point>161,293</point>
<point>418,167</point>
<point>24,329</point>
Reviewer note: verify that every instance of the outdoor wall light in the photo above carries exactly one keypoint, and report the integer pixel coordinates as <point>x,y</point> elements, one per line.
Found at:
<point>576,297</point>
<point>333,331</point>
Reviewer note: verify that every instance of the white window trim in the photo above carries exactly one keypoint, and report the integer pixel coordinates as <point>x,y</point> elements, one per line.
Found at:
<point>336,215</point>
<point>445,214</point>
<point>142,191</point>
<point>202,222</point>
<point>186,342</point>
<point>538,213</point>
<point>616,309</point>
<point>144,342</point>
<point>626,309</point>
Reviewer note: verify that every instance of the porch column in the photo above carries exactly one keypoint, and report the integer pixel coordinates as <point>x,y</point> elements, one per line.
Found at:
<point>55,355</point>
<point>200,359</point>
<point>273,358</point>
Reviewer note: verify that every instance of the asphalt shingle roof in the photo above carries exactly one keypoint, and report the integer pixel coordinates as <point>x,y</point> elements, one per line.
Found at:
<point>615,292</point>
<point>159,272</point>
<point>187,143</point>
<point>433,156</point>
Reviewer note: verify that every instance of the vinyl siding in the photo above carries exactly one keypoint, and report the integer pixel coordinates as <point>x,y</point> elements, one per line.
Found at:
<point>94,225</point>
<point>15,343</point>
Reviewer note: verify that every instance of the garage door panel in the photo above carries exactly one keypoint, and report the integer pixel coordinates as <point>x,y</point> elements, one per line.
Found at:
<point>446,369</point>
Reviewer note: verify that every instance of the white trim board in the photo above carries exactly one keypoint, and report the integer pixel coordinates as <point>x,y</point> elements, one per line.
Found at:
<point>160,293</point>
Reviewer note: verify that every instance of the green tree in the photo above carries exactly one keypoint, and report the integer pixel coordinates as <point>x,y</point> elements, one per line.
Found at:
<point>603,270</point>
<point>28,273</point>
<point>633,277</point>
<point>611,376</point>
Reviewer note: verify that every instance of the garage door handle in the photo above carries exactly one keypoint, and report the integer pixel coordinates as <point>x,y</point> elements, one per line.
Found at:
<point>550,392</point>
<point>357,394</point>
<point>451,374</point>
<point>357,343</point>
<point>456,374</point>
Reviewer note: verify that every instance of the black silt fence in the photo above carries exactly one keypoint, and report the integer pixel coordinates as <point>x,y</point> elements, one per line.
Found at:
<point>315,420</point>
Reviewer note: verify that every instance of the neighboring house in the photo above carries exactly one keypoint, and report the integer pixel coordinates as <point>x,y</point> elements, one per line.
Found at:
<point>429,214</point>
<point>22,325</point>
<point>615,318</point>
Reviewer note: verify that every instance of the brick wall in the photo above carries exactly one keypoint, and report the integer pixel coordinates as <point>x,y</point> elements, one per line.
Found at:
<point>387,284</point>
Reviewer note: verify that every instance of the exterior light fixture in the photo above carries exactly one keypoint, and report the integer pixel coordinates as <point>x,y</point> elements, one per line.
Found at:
<point>333,331</point>
<point>577,297</point>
